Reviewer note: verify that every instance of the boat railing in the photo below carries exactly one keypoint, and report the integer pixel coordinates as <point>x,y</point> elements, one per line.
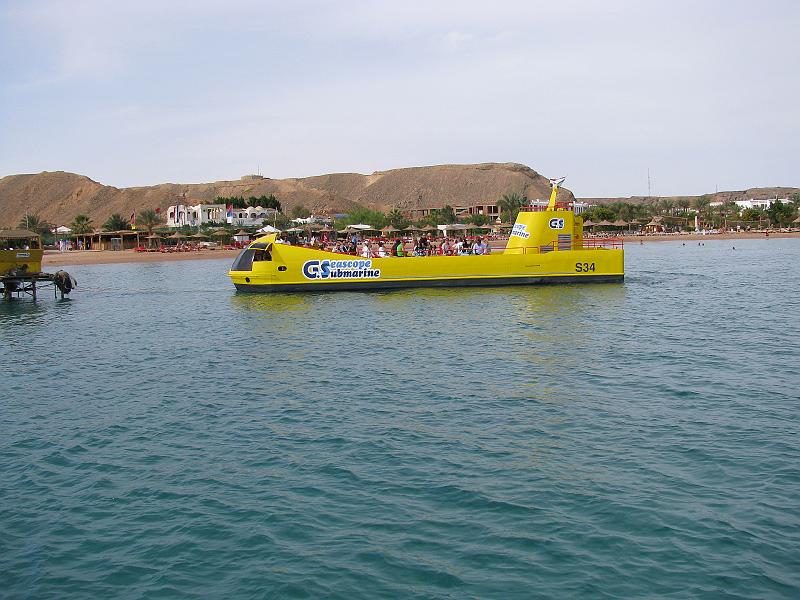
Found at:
<point>599,244</point>
<point>542,206</point>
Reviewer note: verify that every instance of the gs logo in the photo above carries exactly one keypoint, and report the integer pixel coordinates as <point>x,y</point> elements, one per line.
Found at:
<point>556,223</point>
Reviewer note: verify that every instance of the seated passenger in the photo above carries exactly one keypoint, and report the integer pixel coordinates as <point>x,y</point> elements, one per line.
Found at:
<point>366,251</point>
<point>382,251</point>
<point>397,248</point>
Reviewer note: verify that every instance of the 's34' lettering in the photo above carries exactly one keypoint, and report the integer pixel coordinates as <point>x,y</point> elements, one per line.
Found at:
<point>584,267</point>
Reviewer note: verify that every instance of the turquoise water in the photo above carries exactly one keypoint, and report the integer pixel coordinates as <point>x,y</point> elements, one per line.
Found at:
<point>162,436</point>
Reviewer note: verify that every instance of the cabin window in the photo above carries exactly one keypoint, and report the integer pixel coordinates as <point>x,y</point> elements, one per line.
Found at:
<point>244,262</point>
<point>262,255</point>
<point>263,252</point>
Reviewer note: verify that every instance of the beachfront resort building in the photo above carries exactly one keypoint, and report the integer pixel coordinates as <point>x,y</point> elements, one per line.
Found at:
<point>489,210</point>
<point>252,216</point>
<point>754,203</point>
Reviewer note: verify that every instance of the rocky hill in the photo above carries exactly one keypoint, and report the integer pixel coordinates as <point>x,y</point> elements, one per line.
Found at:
<point>764,193</point>
<point>58,196</point>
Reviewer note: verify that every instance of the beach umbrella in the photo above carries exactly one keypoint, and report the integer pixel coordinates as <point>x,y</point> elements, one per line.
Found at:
<point>605,223</point>
<point>268,229</point>
<point>294,230</point>
<point>620,223</point>
<point>588,223</point>
<point>429,228</point>
<point>362,227</point>
<point>198,236</point>
<point>411,228</point>
<point>389,229</point>
<point>797,220</point>
<point>176,236</point>
<point>221,234</point>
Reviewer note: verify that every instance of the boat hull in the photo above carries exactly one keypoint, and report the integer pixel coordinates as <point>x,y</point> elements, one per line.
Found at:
<point>296,269</point>
<point>424,283</point>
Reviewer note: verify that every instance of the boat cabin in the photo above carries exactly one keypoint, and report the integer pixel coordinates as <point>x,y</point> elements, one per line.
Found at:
<point>20,249</point>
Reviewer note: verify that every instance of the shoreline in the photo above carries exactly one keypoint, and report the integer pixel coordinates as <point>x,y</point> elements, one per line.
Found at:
<point>109,257</point>
<point>106,257</point>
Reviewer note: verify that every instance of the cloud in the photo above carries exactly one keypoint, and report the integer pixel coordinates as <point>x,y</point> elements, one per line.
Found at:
<point>602,90</point>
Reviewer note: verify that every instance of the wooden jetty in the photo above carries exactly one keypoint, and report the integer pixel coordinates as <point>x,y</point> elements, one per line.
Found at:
<point>21,266</point>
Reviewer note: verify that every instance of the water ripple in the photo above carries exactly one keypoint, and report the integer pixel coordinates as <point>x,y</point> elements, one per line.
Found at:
<point>174,439</point>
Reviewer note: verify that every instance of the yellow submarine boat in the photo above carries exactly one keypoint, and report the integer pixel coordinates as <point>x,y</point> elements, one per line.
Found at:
<point>544,246</point>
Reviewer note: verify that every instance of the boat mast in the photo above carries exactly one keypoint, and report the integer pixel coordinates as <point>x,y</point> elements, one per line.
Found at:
<point>554,183</point>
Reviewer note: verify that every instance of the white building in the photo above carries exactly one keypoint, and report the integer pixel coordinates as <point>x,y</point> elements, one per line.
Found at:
<point>753,203</point>
<point>251,216</point>
<point>180,215</point>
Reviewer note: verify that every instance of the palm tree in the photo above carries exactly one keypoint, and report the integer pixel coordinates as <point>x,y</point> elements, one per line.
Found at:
<point>81,225</point>
<point>149,219</point>
<point>116,222</point>
<point>701,203</point>
<point>509,206</point>
<point>684,204</point>
<point>397,219</point>
<point>35,224</point>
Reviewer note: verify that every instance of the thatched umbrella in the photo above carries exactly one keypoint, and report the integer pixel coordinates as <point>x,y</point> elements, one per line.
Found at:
<point>198,236</point>
<point>151,237</point>
<point>589,223</point>
<point>411,228</point>
<point>429,228</point>
<point>797,220</point>
<point>221,234</point>
<point>605,223</point>
<point>388,229</point>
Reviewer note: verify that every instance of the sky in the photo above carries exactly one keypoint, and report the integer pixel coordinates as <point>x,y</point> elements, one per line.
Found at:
<point>703,94</point>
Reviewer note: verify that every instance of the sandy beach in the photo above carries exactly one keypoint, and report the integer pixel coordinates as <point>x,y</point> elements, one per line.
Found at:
<point>99,257</point>
<point>103,257</point>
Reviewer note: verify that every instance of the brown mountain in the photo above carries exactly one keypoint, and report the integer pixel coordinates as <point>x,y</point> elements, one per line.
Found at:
<point>58,196</point>
<point>763,193</point>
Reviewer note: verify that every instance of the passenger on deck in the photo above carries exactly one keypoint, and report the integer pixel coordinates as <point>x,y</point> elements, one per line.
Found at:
<point>397,248</point>
<point>366,251</point>
<point>381,251</point>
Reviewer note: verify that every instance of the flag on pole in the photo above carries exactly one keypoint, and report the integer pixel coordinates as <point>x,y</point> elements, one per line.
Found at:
<point>158,210</point>
<point>230,211</point>
<point>133,220</point>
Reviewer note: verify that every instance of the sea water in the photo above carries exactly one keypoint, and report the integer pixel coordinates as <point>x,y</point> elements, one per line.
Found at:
<point>162,436</point>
